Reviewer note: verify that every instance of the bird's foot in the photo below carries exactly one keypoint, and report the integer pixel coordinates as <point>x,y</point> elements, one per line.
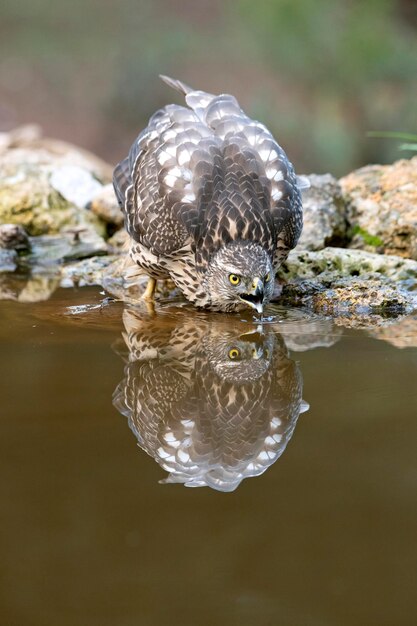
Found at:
<point>149,293</point>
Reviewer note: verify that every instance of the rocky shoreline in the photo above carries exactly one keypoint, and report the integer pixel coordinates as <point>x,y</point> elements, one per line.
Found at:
<point>60,226</point>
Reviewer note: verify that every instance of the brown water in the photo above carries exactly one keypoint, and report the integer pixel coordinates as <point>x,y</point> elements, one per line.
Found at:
<point>302,517</point>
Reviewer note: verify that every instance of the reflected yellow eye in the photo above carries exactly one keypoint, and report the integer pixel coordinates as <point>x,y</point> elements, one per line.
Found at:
<point>234,354</point>
<point>234,279</point>
<point>268,277</point>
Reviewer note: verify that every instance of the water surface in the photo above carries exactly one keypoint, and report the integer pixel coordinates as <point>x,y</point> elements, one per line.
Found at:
<point>300,517</point>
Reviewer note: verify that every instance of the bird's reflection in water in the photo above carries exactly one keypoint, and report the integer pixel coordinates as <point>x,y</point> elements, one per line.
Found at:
<point>212,402</point>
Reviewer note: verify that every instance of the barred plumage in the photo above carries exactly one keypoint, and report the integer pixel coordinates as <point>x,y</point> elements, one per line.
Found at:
<point>210,402</point>
<point>206,190</point>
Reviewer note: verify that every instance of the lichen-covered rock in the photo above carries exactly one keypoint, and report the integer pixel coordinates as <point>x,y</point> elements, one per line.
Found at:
<point>28,197</point>
<point>364,294</point>
<point>382,207</point>
<point>104,204</point>
<point>335,281</point>
<point>347,296</point>
<point>334,263</point>
<point>324,214</point>
<point>90,271</point>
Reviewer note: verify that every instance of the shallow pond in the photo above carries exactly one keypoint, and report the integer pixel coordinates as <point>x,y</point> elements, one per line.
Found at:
<point>300,434</point>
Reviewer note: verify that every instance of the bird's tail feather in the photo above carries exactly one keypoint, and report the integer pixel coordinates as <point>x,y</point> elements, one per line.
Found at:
<point>176,84</point>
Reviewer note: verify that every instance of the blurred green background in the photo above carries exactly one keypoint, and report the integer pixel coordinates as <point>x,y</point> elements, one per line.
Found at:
<point>318,73</point>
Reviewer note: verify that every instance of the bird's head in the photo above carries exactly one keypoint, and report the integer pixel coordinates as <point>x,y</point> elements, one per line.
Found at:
<point>240,275</point>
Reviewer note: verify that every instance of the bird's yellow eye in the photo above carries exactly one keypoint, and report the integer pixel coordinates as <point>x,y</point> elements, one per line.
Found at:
<point>268,277</point>
<point>234,354</point>
<point>234,279</point>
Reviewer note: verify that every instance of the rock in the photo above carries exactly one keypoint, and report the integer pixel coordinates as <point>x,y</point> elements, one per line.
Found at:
<point>122,280</point>
<point>333,263</point>
<point>351,296</point>
<point>113,280</point>
<point>324,214</point>
<point>89,271</point>
<point>84,244</point>
<point>336,282</point>
<point>18,137</point>
<point>72,244</point>
<point>104,204</point>
<point>119,242</point>
<point>14,237</point>
<point>75,184</point>
<point>382,207</point>
<point>28,198</point>
<point>363,295</point>
<point>109,273</point>
<point>30,137</point>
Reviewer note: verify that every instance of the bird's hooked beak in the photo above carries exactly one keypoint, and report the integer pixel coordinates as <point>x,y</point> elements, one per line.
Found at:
<point>255,298</point>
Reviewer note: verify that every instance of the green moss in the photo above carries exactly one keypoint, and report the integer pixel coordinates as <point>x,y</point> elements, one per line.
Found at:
<point>370,240</point>
<point>41,210</point>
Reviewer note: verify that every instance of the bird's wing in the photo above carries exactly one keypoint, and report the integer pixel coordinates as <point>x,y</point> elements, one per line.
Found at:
<point>207,175</point>
<point>154,183</point>
<point>246,186</point>
<point>280,184</point>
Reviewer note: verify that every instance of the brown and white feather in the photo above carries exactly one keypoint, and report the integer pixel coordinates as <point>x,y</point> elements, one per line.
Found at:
<point>199,178</point>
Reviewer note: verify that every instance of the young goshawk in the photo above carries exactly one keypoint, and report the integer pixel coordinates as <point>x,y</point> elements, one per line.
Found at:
<point>210,201</point>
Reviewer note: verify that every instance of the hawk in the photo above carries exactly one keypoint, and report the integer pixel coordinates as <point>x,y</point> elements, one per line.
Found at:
<point>210,201</point>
